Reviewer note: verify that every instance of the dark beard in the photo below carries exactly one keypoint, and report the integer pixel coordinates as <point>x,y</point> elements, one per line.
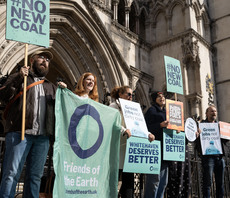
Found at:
<point>38,71</point>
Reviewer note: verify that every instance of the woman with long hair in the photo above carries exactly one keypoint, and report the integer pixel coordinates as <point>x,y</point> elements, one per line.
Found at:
<point>127,187</point>
<point>87,86</point>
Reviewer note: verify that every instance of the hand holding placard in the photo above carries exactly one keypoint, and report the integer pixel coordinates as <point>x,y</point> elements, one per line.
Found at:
<point>164,124</point>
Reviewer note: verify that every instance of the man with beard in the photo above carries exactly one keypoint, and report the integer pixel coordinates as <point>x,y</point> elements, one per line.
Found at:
<point>39,125</point>
<point>212,164</point>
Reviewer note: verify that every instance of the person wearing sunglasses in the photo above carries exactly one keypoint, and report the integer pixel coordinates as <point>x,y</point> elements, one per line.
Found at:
<point>155,118</point>
<point>39,125</point>
<point>127,187</point>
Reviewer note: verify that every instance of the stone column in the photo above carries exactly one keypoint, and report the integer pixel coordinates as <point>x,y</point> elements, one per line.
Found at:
<point>115,9</point>
<point>137,20</point>
<point>169,24</point>
<point>198,19</point>
<point>127,10</point>
<point>194,101</point>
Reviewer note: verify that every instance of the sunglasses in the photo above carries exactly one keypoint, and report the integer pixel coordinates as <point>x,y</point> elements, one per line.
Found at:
<point>44,58</point>
<point>129,94</point>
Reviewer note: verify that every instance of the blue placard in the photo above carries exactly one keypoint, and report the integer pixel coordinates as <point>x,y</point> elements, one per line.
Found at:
<point>173,145</point>
<point>142,156</point>
<point>28,21</point>
<point>173,75</point>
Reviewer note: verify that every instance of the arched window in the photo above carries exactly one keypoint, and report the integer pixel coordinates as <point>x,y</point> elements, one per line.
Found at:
<point>112,8</point>
<point>178,15</point>
<point>121,12</point>
<point>142,25</point>
<point>161,27</point>
<point>133,19</point>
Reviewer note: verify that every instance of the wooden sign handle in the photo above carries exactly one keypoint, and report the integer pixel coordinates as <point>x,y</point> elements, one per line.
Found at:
<point>24,94</point>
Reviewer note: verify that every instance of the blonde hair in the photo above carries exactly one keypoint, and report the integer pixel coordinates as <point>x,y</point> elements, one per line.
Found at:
<point>80,90</point>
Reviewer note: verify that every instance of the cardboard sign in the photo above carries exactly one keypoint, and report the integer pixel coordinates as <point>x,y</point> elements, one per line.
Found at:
<point>210,139</point>
<point>142,156</point>
<point>173,75</point>
<point>173,145</point>
<point>134,119</point>
<point>190,129</point>
<point>224,130</point>
<point>175,115</point>
<point>28,21</point>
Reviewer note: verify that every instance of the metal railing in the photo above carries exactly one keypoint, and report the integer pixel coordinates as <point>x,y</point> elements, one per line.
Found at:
<point>194,172</point>
<point>193,168</point>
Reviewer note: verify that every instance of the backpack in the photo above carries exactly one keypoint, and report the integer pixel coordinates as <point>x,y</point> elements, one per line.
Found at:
<point>2,104</point>
<point>3,79</point>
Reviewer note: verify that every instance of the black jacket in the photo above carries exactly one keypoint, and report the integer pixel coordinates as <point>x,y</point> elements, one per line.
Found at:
<point>153,117</point>
<point>13,86</point>
<point>224,144</point>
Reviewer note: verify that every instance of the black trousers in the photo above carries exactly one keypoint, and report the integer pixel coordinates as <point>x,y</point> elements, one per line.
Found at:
<point>127,186</point>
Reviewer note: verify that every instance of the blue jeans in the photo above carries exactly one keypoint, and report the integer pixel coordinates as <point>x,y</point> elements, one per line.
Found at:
<point>33,150</point>
<point>213,164</point>
<point>155,184</point>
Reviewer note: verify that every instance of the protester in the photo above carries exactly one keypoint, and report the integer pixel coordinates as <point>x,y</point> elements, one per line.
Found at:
<point>127,187</point>
<point>87,86</point>
<point>86,154</point>
<point>212,163</point>
<point>155,118</point>
<point>39,125</point>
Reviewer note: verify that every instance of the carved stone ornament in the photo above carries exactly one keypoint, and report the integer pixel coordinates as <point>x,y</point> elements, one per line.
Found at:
<point>190,50</point>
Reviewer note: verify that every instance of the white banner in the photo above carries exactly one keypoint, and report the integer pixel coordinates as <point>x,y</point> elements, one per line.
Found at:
<point>210,139</point>
<point>134,118</point>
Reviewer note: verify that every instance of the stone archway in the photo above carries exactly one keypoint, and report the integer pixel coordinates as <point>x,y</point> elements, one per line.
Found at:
<point>79,43</point>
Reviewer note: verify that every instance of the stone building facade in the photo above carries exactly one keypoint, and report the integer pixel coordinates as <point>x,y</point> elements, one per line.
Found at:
<point>124,42</point>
